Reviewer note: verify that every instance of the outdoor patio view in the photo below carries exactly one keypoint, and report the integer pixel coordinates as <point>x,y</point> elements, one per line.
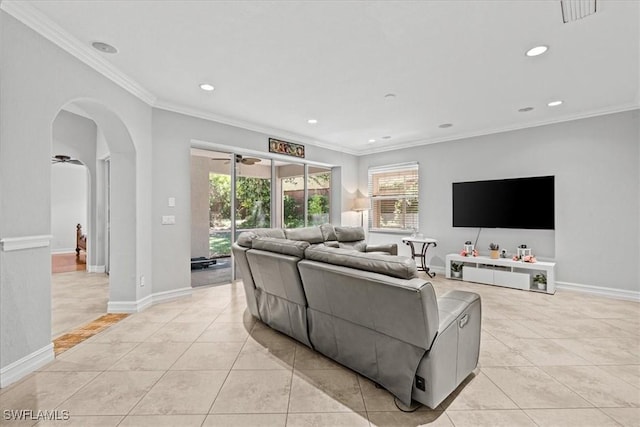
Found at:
<point>253,205</point>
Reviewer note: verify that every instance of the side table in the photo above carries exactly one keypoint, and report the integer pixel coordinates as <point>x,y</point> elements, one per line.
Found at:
<point>422,243</point>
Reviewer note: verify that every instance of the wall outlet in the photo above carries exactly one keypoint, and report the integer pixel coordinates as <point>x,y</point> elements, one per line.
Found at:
<point>172,202</point>
<point>420,384</point>
<point>142,281</point>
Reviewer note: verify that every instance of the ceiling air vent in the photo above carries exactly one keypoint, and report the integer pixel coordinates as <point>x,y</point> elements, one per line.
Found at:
<point>572,10</point>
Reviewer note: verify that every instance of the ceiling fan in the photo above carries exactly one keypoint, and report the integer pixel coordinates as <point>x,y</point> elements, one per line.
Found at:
<point>61,158</point>
<point>240,159</point>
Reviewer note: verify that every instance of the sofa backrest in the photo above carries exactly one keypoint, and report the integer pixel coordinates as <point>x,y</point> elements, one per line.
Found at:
<point>349,234</point>
<point>308,234</point>
<point>361,289</point>
<point>245,238</point>
<point>274,265</point>
<point>395,266</point>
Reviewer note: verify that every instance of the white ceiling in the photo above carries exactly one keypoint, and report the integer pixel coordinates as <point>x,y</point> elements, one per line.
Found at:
<point>277,64</point>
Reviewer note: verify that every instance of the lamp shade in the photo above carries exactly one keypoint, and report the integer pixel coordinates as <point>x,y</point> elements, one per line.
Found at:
<point>361,204</point>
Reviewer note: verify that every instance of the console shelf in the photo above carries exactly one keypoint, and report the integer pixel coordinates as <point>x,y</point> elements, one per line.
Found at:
<point>503,272</point>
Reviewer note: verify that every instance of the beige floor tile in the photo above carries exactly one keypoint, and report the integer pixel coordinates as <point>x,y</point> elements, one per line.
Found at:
<point>243,420</point>
<point>492,418</point>
<point>112,393</point>
<point>208,356</point>
<point>196,315</point>
<point>412,419</point>
<point>90,357</point>
<point>530,387</point>
<point>254,392</point>
<point>631,325</point>
<point>84,421</point>
<point>256,356</point>
<point>163,421</point>
<point>151,356</point>
<point>628,417</point>
<point>544,352</point>
<point>307,358</point>
<point>595,385</point>
<point>335,390</point>
<point>627,373</point>
<point>328,419</point>
<point>182,392</point>
<point>478,392</point>
<point>507,330</point>
<point>179,332</point>
<point>604,351</point>
<point>570,418</point>
<point>376,399</point>
<point>44,390</point>
<point>224,332</point>
<point>126,331</point>
<point>495,353</point>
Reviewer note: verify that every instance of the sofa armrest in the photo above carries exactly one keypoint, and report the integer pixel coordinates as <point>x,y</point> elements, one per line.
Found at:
<point>390,248</point>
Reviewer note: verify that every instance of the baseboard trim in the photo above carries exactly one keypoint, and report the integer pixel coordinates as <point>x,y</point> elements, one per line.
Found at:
<point>171,295</point>
<point>96,268</point>
<point>149,300</point>
<point>22,367</point>
<point>63,251</point>
<point>599,290</point>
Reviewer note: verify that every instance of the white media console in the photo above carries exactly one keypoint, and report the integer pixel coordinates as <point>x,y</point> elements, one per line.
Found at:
<point>503,272</point>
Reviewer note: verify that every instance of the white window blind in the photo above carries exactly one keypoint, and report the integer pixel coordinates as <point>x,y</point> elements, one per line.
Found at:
<point>393,191</point>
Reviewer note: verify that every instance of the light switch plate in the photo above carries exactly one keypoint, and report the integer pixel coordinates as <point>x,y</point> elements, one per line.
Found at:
<point>168,219</point>
<point>172,202</point>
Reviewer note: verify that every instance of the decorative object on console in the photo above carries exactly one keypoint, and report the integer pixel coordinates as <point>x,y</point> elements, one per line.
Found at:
<point>524,254</point>
<point>494,248</point>
<point>456,269</point>
<point>469,249</point>
<point>503,254</point>
<point>540,280</point>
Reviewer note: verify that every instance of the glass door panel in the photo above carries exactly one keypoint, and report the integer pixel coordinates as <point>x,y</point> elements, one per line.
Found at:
<point>291,191</point>
<point>253,193</point>
<point>319,195</point>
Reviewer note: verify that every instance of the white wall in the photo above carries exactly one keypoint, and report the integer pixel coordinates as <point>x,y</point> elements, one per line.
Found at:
<point>32,96</point>
<point>172,136</point>
<point>595,163</point>
<point>68,205</point>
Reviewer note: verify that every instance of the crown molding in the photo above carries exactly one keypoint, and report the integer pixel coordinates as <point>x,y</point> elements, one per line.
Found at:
<point>274,132</point>
<point>40,23</point>
<point>490,131</point>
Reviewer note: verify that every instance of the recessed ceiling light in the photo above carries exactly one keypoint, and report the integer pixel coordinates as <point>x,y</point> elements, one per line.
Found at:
<point>525,109</point>
<point>104,47</point>
<point>554,103</point>
<point>445,125</point>
<point>312,121</point>
<point>207,87</point>
<point>372,140</point>
<point>386,137</point>
<point>538,50</point>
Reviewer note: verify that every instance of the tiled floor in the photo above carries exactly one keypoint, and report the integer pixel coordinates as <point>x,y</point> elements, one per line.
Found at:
<point>563,360</point>
<point>77,298</point>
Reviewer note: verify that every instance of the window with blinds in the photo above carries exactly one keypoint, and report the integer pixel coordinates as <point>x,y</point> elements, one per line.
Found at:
<point>394,197</point>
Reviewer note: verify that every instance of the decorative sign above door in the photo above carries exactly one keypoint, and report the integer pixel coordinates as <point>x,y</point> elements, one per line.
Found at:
<point>288,148</point>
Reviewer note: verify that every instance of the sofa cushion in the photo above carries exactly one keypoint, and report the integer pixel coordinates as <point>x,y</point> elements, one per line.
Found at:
<point>395,266</point>
<point>360,245</point>
<point>349,234</point>
<point>328,233</point>
<point>246,237</point>
<point>281,246</point>
<point>308,234</point>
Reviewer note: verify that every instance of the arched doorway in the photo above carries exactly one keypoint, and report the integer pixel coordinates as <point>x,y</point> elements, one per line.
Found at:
<point>111,219</point>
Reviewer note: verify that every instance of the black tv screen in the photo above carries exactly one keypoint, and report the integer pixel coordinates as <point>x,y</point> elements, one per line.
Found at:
<point>526,203</point>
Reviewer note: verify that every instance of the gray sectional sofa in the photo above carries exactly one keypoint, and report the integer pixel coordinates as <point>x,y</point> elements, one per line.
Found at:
<point>362,307</point>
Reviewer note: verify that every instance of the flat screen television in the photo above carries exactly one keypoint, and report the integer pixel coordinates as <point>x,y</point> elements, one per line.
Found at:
<point>525,203</point>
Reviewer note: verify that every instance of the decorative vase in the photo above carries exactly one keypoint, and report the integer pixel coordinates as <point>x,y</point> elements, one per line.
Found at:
<point>456,274</point>
<point>495,254</point>
<point>540,285</point>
